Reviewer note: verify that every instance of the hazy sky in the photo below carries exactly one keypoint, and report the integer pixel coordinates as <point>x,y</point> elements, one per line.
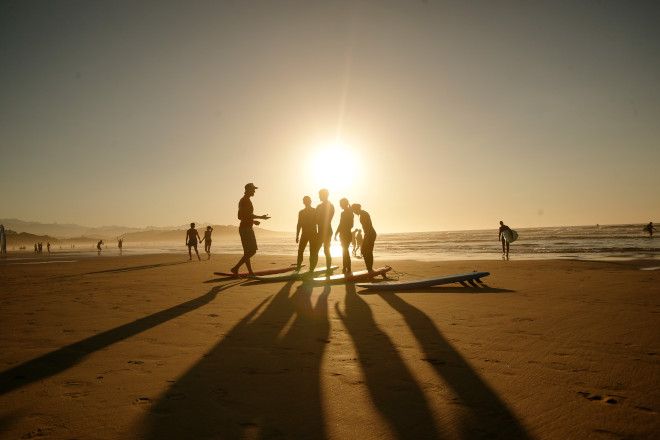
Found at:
<point>454,114</point>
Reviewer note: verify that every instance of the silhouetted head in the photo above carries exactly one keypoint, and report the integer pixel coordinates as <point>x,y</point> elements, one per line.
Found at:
<point>344,203</point>
<point>192,225</point>
<point>357,208</point>
<point>249,189</point>
<point>307,201</point>
<point>324,194</point>
<point>501,223</point>
<point>208,228</point>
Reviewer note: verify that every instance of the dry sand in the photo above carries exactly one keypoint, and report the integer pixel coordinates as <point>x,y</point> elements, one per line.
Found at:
<point>157,347</point>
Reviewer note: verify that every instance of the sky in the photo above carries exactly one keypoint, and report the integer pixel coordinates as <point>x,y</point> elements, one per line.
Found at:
<point>434,115</point>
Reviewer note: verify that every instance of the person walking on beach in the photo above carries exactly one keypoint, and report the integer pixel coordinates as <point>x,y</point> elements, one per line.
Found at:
<point>306,225</point>
<point>48,247</point>
<point>98,246</point>
<point>36,248</point>
<point>192,237</point>
<point>3,241</point>
<point>207,241</point>
<point>344,232</point>
<point>324,213</point>
<point>245,229</point>
<point>369,236</point>
<point>650,228</point>
<point>504,236</point>
<point>41,247</point>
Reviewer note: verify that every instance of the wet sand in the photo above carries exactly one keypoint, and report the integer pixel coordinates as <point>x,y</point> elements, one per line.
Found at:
<point>158,347</point>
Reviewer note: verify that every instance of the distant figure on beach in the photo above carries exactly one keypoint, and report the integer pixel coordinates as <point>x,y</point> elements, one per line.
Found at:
<point>41,247</point>
<point>503,236</point>
<point>306,225</point>
<point>345,235</point>
<point>354,241</point>
<point>120,243</point>
<point>192,236</point>
<point>358,242</point>
<point>48,247</point>
<point>207,241</point>
<point>324,213</point>
<point>98,246</point>
<point>369,236</point>
<point>650,228</point>
<point>245,229</point>
<point>3,240</point>
<point>36,248</point>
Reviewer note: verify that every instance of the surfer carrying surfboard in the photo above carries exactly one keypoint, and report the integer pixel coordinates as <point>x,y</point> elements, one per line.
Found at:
<point>369,240</point>
<point>324,213</point>
<point>306,225</point>
<point>248,239</point>
<point>344,232</point>
<point>505,236</point>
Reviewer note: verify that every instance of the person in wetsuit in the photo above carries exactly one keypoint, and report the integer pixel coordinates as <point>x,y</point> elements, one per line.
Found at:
<point>192,236</point>
<point>369,236</point>
<point>344,232</point>
<point>306,225</point>
<point>324,213</point>
<point>501,237</point>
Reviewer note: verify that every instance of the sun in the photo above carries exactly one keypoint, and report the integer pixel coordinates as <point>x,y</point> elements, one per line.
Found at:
<point>335,166</point>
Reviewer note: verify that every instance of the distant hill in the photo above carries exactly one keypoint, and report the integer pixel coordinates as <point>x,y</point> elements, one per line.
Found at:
<point>78,233</point>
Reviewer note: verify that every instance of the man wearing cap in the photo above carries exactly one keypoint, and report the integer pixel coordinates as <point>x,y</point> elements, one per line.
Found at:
<point>247,218</point>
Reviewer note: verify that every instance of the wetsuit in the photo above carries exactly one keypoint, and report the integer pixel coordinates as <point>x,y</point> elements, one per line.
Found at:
<point>369,240</point>
<point>324,213</point>
<point>307,227</point>
<point>345,236</point>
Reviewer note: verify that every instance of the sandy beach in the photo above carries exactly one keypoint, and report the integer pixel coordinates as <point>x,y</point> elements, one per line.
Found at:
<point>158,347</point>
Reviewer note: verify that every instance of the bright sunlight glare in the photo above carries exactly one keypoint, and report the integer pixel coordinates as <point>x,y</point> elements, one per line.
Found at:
<point>335,166</point>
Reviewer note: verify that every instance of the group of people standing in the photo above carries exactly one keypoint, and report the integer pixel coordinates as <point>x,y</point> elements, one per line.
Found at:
<point>314,229</point>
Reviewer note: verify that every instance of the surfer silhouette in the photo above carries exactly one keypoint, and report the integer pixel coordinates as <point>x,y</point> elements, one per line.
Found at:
<point>324,213</point>
<point>98,246</point>
<point>3,240</point>
<point>650,228</point>
<point>370,235</point>
<point>192,236</point>
<point>207,241</point>
<point>247,218</point>
<point>307,226</point>
<point>345,235</point>
<point>502,236</point>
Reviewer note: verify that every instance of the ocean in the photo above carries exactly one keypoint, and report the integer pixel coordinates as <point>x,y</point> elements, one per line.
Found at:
<point>605,242</point>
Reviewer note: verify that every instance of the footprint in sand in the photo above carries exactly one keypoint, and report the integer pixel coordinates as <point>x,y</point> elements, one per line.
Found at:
<point>142,400</point>
<point>609,399</point>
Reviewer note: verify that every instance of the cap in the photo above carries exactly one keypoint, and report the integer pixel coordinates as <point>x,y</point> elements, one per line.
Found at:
<point>250,186</point>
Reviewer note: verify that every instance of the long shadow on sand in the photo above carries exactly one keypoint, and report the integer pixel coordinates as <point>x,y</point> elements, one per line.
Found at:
<point>132,268</point>
<point>262,380</point>
<point>439,290</point>
<point>391,385</point>
<point>486,415</point>
<point>66,357</point>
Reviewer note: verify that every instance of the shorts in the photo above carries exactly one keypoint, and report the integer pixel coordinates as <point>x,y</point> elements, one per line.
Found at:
<point>248,240</point>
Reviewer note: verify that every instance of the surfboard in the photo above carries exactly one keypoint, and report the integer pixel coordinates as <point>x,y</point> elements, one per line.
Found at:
<point>294,275</point>
<point>360,275</point>
<point>470,277</point>
<point>510,235</point>
<point>256,272</point>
